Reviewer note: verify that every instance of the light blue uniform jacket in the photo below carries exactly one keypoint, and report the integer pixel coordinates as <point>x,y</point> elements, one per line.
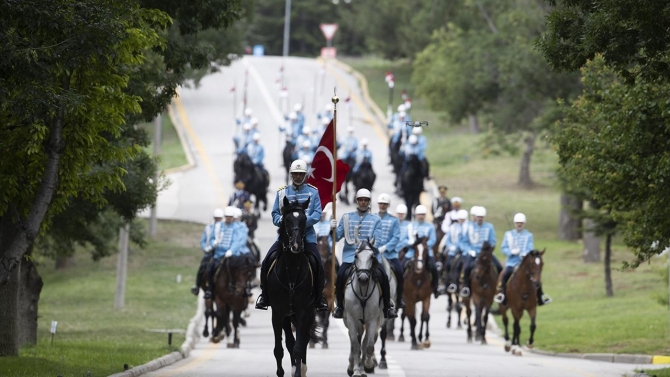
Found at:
<point>369,225</point>
<point>477,235</point>
<point>422,229</point>
<point>516,240</point>
<point>304,192</point>
<point>390,235</point>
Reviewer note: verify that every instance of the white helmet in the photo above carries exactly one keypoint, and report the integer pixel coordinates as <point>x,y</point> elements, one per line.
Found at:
<point>292,115</point>
<point>257,136</point>
<point>519,218</point>
<point>306,130</point>
<point>401,108</point>
<point>402,114</point>
<point>247,112</point>
<point>350,130</point>
<point>254,121</point>
<point>308,159</point>
<point>363,193</point>
<point>462,214</point>
<point>384,198</point>
<point>401,208</point>
<point>473,210</point>
<point>229,211</point>
<point>364,142</point>
<point>457,199</point>
<point>246,127</point>
<point>480,212</point>
<point>238,213</point>
<point>420,210</point>
<point>413,139</point>
<point>329,107</point>
<point>218,213</point>
<point>325,121</point>
<point>417,131</point>
<point>306,144</point>
<point>297,107</point>
<point>298,166</point>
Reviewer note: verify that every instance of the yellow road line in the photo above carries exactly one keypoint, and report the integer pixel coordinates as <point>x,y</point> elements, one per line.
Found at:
<point>209,167</point>
<point>208,353</point>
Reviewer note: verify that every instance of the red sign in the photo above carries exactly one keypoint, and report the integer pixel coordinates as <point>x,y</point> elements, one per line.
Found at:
<point>328,30</point>
<point>328,52</point>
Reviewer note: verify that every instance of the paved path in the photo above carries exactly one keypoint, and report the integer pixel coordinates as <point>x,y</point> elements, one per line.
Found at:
<point>206,115</point>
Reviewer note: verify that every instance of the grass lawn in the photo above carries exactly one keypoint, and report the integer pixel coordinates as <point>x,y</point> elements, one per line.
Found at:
<point>94,337</point>
<point>171,152</point>
<point>581,319</point>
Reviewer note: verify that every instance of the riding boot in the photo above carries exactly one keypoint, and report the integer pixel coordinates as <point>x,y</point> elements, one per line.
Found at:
<point>435,281</point>
<point>500,296</point>
<point>209,294</point>
<point>320,301</point>
<point>400,290</point>
<point>262,302</point>
<point>465,282</point>
<point>389,311</point>
<point>339,297</point>
<point>542,299</point>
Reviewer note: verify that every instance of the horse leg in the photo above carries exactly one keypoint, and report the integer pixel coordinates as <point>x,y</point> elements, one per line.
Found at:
<point>208,315</point>
<point>382,335</point>
<point>278,350</point>
<point>468,314</point>
<point>420,335</point>
<point>324,335</point>
<point>236,325</point>
<point>355,328</point>
<point>290,339</point>
<point>485,320</point>
<point>369,352</point>
<point>412,326</point>
<point>532,313</point>
<point>390,329</point>
<point>450,306</point>
<point>517,332</point>
<point>425,316</point>
<point>478,319</point>
<point>505,320</point>
<point>401,338</point>
<point>303,331</point>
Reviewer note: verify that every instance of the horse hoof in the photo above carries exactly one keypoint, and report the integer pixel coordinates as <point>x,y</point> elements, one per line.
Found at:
<point>401,338</point>
<point>369,370</point>
<point>324,346</point>
<point>508,347</point>
<point>449,324</point>
<point>529,345</point>
<point>205,334</point>
<point>350,372</point>
<point>383,365</point>
<point>391,338</point>
<point>236,345</point>
<point>426,344</point>
<point>484,342</point>
<point>415,347</point>
<point>230,345</point>
<point>469,339</point>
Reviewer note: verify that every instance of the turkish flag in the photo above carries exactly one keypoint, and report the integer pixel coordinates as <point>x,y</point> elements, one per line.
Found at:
<point>320,174</point>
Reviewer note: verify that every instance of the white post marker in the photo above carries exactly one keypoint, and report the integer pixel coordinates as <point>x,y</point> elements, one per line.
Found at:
<point>54,325</point>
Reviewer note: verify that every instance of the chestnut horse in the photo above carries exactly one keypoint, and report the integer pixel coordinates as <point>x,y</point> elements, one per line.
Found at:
<point>323,318</point>
<point>521,294</point>
<point>483,281</point>
<point>418,288</point>
<point>230,295</point>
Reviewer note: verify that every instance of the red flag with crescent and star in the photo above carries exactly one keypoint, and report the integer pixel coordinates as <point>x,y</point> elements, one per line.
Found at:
<point>320,174</point>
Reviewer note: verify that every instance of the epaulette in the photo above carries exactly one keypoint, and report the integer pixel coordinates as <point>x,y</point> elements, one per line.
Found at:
<point>281,188</point>
<point>312,186</point>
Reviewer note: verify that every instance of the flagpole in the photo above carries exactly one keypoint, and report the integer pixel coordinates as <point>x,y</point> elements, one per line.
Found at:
<point>237,126</point>
<point>334,193</point>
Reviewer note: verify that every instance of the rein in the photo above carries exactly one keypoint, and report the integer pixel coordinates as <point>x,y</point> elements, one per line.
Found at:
<point>293,283</point>
<point>364,297</point>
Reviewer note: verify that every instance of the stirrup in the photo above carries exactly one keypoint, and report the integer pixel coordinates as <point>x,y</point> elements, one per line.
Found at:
<point>499,298</point>
<point>208,295</point>
<point>338,313</point>
<point>465,292</point>
<point>452,288</point>
<point>195,290</point>
<point>546,299</point>
<point>261,303</point>
<point>322,305</point>
<point>390,313</point>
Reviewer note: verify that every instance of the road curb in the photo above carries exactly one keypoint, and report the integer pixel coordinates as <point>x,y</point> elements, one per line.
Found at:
<point>179,128</point>
<point>192,337</point>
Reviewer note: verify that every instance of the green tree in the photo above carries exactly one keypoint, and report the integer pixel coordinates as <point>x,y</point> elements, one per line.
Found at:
<point>615,142</point>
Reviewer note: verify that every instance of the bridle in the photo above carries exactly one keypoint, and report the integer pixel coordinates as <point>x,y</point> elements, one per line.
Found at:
<point>363,297</point>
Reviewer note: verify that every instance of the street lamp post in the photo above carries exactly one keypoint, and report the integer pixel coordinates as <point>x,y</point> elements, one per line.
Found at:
<point>287,26</point>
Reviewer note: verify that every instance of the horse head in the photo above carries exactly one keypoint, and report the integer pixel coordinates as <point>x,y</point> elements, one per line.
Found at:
<point>420,254</point>
<point>533,264</point>
<point>293,225</point>
<point>486,254</point>
<point>365,260</point>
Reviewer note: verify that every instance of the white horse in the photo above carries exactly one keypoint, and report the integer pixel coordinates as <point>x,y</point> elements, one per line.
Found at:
<point>363,314</point>
<point>388,323</point>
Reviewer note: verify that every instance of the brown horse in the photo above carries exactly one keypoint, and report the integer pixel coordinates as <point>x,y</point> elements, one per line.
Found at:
<point>230,295</point>
<point>483,282</point>
<point>521,294</point>
<point>418,288</point>
<point>323,318</point>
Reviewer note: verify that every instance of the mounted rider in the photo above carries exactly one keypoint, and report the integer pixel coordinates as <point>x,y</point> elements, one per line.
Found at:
<point>242,141</point>
<point>479,232</point>
<point>300,115</point>
<point>441,206</point>
<point>451,217</point>
<point>349,146</point>
<point>419,228</point>
<point>322,228</point>
<point>246,119</point>
<point>305,135</point>
<point>455,238</point>
<point>228,242</point>
<point>292,128</point>
<point>353,226</point>
<point>256,152</point>
<point>362,155</point>
<point>240,196</point>
<point>390,236</point>
<point>298,191</point>
<point>517,243</point>
<point>305,153</point>
<point>422,143</point>
<point>206,242</point>
<point>403,225</point>
<point>315,137</point>
<point>327,113</point>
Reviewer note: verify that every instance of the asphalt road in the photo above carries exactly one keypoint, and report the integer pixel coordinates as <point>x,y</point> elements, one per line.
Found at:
<point>206,114</point>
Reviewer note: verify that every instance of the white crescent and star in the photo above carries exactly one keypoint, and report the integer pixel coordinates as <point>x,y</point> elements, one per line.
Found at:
<point>329,155</point>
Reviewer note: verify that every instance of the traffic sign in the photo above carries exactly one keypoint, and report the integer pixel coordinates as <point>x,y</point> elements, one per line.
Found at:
<point>328,30</point>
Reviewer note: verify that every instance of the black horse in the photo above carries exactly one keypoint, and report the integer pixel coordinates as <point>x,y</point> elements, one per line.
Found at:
<point>396,158</point>
<point>291,289</point>
<point>411,183</point>
<point>365,177</point>
<point>256,180</point>
<point>344,194</point>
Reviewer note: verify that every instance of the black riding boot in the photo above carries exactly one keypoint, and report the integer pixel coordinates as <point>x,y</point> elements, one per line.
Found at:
<point>400,290</point>
<point>262,302</point>
<point>209,294</point>
<point>339,296</point>
<point>542,299</point>
<point>435,279</point>
<point>465,280</point>
<point>500,297</point>
<point>389,311</point>
<point>319,300</point>
<point>198,278</point>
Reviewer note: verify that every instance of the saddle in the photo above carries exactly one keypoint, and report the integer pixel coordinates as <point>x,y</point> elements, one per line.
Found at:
<point>276,255</point>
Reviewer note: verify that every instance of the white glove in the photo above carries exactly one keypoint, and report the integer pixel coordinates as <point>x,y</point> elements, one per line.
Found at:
<point>472,253</point>
<point>382,249</point>
<point>208,249</point>
<point>515,251</point>
<point>281,217</point>
<point>228,254</point>
<point>452,248</point>
<point>333,224</point>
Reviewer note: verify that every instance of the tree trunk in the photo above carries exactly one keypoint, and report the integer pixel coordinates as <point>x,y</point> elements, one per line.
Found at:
<point>524,173</point>
<point>591,243</point>
<point>9,330</point>
<point>569,224</point>
<point>30,289</point>
<point>608,269</point>
<point>473,122</point>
